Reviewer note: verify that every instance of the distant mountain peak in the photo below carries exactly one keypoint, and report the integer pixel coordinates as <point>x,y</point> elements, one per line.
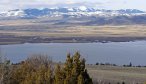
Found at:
<point>69,11</point>
<point>83,8</point>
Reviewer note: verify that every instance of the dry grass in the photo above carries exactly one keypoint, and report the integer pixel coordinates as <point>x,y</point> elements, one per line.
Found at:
<point>38,27</point>
<point>130,75</point>
<point>111,31</point>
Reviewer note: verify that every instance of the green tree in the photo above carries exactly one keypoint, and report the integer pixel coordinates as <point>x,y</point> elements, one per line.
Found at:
<point>58,76</point>
<point>75,71</point>
<point>80,79</point>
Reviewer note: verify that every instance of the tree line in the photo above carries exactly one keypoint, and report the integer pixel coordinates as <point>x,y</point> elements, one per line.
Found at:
<point>40,69</point>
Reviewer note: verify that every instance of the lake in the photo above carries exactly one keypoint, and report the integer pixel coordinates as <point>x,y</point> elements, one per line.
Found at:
<point>114,52</point>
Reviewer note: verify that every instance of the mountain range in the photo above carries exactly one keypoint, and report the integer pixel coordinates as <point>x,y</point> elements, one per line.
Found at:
<point>93,15</point>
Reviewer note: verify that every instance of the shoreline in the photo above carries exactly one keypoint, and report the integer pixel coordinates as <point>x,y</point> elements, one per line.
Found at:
<point>33,39</point>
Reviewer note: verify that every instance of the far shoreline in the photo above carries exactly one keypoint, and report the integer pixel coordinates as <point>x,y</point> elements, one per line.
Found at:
<point>22,40</point>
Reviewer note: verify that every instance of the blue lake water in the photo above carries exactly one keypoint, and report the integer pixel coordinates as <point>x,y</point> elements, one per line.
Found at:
<point>114,52</point>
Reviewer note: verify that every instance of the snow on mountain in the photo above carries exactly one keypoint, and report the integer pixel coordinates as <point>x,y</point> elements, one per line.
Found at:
<point>83,8</point>
<point>65,11</point>
<point>13,13</point>
<point>70,9</point>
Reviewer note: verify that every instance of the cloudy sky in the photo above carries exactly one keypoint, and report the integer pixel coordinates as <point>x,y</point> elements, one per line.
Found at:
<point>106,4</point>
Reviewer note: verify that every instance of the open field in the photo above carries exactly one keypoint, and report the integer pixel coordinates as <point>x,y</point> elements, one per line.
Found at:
<point>114,74</point>
<point>107,31</point>
<point>21,31</point>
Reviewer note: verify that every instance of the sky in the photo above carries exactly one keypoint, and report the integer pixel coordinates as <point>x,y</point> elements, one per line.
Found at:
<point>101,4</point>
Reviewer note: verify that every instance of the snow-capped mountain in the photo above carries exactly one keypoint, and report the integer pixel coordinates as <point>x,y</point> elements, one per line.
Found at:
<point>65,11</point>
<point>13,13</point>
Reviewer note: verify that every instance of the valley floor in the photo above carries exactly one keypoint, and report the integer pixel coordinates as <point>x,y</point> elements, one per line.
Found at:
<point>37,31</point>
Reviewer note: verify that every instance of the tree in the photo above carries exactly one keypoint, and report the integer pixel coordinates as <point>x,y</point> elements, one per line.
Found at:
<point>68,66</point>
<point>5,69</point>
<point>76,66</point>
<point>130,64</point>
<point>80,79</point>
<point>58,76</point>
<point>34,70</point>
<point>87,78</point>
